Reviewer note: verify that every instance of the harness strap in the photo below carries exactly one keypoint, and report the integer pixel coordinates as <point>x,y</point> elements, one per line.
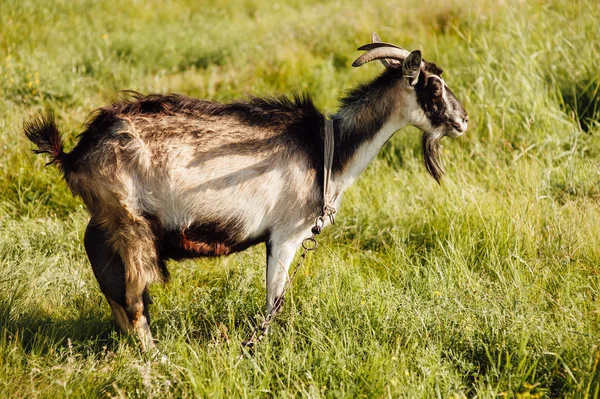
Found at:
<point>328,147</point>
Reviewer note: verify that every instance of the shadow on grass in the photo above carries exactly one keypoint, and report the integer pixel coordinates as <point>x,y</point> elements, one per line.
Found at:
<point>217,323</point>
<point>514,364</point>
<point>36,331</point>
<point>39,330</point>
<point>582,100</point>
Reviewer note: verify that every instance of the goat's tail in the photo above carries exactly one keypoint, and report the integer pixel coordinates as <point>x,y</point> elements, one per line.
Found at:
<point>43,132</point>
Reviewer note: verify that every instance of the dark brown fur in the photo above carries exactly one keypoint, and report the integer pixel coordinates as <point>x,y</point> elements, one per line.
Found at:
<point>42,131</point>
<point>429,96</point>
<point>297,117</point>
<point>201,248</point>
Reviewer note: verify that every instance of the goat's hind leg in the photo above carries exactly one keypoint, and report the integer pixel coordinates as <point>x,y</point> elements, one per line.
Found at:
<point>134,240</point>
<point>110,273</point>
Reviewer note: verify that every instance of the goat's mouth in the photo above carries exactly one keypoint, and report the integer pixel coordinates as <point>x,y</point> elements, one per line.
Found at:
<point>431,154</point>
<point>456,129</point>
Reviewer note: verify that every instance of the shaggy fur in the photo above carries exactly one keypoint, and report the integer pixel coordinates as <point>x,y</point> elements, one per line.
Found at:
<point>43,132</point>
<point>171,177</point>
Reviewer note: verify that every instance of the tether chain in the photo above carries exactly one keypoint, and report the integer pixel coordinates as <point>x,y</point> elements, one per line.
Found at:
<point>309,244</point>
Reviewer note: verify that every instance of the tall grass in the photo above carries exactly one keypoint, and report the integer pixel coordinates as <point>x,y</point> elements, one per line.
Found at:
<point>485,286</point>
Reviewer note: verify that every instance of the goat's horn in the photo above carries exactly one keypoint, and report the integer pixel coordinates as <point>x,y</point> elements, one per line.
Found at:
<point>378,53</point>
<point>377,44</point>
<point>384,61</point>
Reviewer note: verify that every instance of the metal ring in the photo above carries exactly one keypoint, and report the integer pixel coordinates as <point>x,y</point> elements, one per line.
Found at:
<point>310,244</point>
<point>320,221</point>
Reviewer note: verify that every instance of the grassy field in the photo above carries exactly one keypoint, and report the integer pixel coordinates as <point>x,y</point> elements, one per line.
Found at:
<point>486,286</point>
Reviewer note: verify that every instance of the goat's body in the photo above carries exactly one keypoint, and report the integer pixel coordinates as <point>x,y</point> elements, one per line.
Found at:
<point>169,177</point>
<point>203,185</point>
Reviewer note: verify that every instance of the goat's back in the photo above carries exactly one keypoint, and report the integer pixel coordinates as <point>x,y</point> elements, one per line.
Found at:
<point>246,166</point>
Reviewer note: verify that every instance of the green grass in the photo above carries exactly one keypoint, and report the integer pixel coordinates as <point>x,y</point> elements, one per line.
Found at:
<point>487,286</point>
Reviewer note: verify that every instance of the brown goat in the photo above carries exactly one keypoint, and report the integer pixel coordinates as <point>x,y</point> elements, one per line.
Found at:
<point>170,177</point>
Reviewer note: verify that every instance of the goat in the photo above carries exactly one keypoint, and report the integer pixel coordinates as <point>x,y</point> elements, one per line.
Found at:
<point>170,177</point>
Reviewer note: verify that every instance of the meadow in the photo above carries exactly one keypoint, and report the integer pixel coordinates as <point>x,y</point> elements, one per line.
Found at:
<point>485,286</point>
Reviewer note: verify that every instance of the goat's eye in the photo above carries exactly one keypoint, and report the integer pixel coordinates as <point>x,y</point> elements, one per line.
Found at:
<point>436,87</point>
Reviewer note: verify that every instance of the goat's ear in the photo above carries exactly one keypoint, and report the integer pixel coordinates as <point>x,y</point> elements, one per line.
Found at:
<point>411,67</point>
<point>387,62</point>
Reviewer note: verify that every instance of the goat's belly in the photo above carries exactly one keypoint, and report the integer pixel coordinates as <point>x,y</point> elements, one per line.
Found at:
<point>199,240</point>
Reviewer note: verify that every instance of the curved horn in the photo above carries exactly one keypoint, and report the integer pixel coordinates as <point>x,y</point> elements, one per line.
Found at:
<point>373,45</point>
<point>379,52</point>
<point>386,62</point>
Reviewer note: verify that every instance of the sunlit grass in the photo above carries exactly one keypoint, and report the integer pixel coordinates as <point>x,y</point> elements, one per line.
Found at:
<point>485,286</point>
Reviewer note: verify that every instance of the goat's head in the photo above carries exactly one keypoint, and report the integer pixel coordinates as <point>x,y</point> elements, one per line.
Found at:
<point>428,103</point>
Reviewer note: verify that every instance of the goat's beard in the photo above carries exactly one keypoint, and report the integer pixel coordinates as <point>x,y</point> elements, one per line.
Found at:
<point>431,155</point>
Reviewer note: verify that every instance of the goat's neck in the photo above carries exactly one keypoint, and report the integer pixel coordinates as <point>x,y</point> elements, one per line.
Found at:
<point>362,126</point>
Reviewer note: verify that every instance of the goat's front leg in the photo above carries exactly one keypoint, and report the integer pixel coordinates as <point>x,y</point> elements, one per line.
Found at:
<point>279,257</point>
